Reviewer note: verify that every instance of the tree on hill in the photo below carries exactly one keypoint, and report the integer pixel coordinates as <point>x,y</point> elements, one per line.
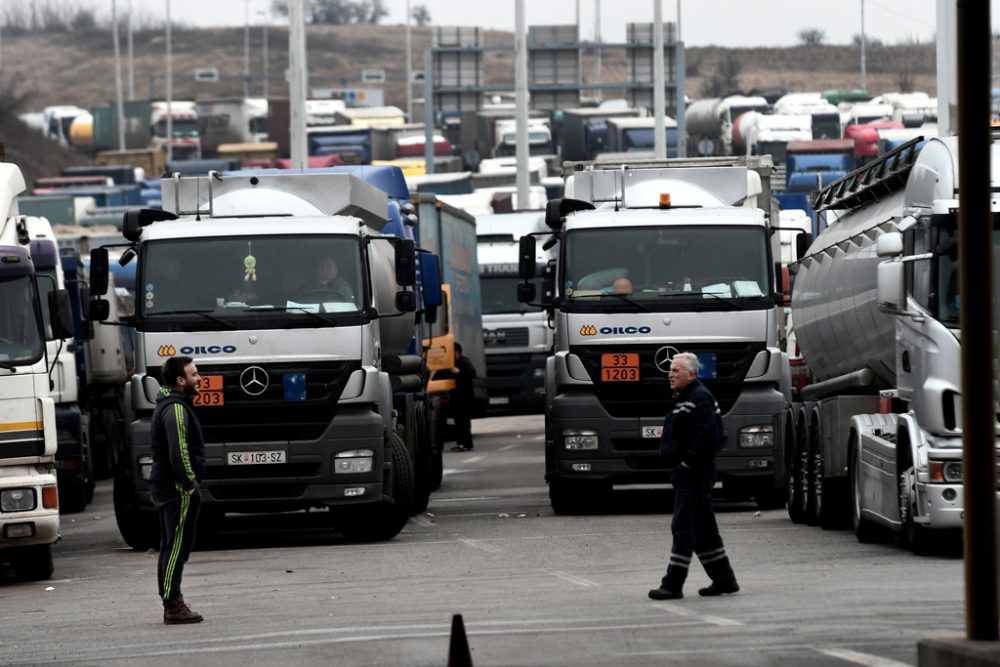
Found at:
<point>337,12</point>
<point>421,15</point>
<point>811,36</point>
<point>726,77</point>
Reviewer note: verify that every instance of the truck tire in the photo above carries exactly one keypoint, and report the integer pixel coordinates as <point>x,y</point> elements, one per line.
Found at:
<point>73,495</point>
<point>918,537</point>
<point>34,563</point>
<point>796,477</point>
<point>140,529</point>
<point>421,459</point>
<point>814,473</point>
<point>571,496</point>
<point>866,530</point>
<point>382,521</point>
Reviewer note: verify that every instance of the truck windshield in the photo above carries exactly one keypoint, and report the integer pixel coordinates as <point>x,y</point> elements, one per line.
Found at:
<point>714,267</point>
<point>251,282</point>
<point>21,341</point>
<point>181,128</point>
<point>499,294</point>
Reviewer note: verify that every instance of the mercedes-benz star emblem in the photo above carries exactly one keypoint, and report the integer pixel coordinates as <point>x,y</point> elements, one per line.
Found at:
<point>254,381</point>
<point>663,356</point>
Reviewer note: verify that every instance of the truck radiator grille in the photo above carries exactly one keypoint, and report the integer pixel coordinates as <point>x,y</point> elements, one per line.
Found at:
<point>650,395</point>
<point>505,337</point>
<point>269,417</point>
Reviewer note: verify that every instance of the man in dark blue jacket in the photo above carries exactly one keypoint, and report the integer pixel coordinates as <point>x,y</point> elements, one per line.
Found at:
<point>178,464</point>
<point>692,434</point>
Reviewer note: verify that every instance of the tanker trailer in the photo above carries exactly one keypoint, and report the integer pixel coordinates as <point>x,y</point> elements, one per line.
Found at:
<point>703,126</point>
<point>877,440</point>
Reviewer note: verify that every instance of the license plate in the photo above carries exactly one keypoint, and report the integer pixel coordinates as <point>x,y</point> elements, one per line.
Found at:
<point>652,431</point>
<point>499,400</point>
<point>255,458</point>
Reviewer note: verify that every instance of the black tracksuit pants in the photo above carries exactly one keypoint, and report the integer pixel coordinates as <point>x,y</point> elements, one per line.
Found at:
<point>695,530</point>
<point>178,519</point>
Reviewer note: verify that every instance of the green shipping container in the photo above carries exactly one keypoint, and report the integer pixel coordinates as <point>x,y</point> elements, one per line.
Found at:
<point>137,131</point>
<point>58,209</point>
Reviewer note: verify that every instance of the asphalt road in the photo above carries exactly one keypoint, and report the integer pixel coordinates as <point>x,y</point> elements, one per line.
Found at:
<point>533,588</point>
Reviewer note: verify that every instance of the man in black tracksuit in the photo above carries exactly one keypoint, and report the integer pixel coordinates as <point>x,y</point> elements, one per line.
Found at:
<point>462,401</point>
<point>692,434</point>
<point>178,464</point>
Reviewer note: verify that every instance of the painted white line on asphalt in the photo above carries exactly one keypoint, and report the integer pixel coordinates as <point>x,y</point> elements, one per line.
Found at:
<point>473,459</point>
<point>482,546</point>
<point>866,659</point>
<point>459,500</point>
<point>681,611</point>
<point>507,448</point>
<point>573,579</point>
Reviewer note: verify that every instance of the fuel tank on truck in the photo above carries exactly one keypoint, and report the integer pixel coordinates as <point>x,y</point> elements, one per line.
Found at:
<point>838,326</point>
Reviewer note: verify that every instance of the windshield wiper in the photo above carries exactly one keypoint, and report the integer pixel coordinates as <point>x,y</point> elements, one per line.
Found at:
<point>207,314</point>
<point>621,297</point>
<point>304,311</point>
<point>725,299</point>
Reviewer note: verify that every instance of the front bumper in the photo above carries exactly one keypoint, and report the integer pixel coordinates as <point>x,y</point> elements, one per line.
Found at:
<point>625,457</point>
<point>43,524</point>
<point>306,479</point>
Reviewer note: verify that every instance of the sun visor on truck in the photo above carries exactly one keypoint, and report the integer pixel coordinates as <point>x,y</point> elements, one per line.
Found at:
<point>296,194</point>
<point>641,188</point>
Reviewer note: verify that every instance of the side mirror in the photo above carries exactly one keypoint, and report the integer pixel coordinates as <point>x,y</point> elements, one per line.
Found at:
<point>430,280</point>
<point>98,310</point>
<point>526,258</point>
<point>889,244</point>
<point>60,314</point>
<point>406,263</point>
<point>133,221</point>
<point>892,288</point>
<point>99,271</point>
<point>553,218</point>
<point>526,292</point>
<point>406,301</point>
<point>802,243</point>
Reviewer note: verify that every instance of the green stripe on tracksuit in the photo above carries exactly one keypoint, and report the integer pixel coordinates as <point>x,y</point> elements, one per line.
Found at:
<point>178,518</point>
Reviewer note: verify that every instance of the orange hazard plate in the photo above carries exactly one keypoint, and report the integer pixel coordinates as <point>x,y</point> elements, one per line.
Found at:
<point>209,399</point>
<point>630,374</point>
<point>620,360</point>
<point>210,383</point>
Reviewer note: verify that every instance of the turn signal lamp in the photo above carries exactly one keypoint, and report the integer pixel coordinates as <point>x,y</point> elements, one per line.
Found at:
<point>50,497</point>
<point>664,200</point>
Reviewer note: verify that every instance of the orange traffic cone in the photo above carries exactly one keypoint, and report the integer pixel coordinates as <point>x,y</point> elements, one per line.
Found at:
<point>459,654</point>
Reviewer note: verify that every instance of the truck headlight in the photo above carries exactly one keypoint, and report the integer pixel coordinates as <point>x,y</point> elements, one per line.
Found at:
<point>945,471</point>
<point>145,468</point>
<point>353,461</point>
<point>754,437</point>
<point>573,439</point>
<point>18,500</point>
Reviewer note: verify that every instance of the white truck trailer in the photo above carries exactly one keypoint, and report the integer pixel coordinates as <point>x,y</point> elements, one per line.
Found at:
<point>875,308</point>
<point>310,392</point>
<point>517,337</point>
<point>657,258</point>
<point>29,498</point>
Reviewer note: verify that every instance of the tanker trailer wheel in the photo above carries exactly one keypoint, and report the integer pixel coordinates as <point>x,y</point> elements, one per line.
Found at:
<point>814,474</point>
<point>382,521</point>
<point>796,475</point>
<point>34,563</point>
<point>421,459</point>
<point>139,529</point>
<point>866,530</point>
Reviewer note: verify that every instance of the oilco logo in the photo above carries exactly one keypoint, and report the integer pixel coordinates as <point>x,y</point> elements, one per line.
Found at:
<point>170,350</point>
<point>591,330</point>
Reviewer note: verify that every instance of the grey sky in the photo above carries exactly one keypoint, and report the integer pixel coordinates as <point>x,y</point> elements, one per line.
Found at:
<point>721,22</point>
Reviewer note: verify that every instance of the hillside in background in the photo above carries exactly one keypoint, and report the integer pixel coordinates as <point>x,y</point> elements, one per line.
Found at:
<point>77,68</point>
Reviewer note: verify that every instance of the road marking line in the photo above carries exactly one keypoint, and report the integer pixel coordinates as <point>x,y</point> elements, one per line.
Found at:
<point>866,659</point>
<point>573,579</point>
<point>473,459</point>
<point>507,448</point>
<point>459,500</point>
<point>478,544</point>
<point>680,611</point>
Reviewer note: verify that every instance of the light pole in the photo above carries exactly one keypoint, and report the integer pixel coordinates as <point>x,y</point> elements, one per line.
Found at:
<point>264,19</point>
<point>597,40</point>
<point>863,40</point>
<point>118,77</point>
<point>659,95</point>
<point>409,67</point>
<point>170,93</point>
<point>523,178</point>
<point>131,54</point>
<point>246,49</point>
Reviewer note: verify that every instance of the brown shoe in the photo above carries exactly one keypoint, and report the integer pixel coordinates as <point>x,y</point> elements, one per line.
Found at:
<point>176,611</point>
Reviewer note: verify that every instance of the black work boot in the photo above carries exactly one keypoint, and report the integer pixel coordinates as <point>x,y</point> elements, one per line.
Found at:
<point>176,612</point>
<point>716,588</point>
<point>662,593</point>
